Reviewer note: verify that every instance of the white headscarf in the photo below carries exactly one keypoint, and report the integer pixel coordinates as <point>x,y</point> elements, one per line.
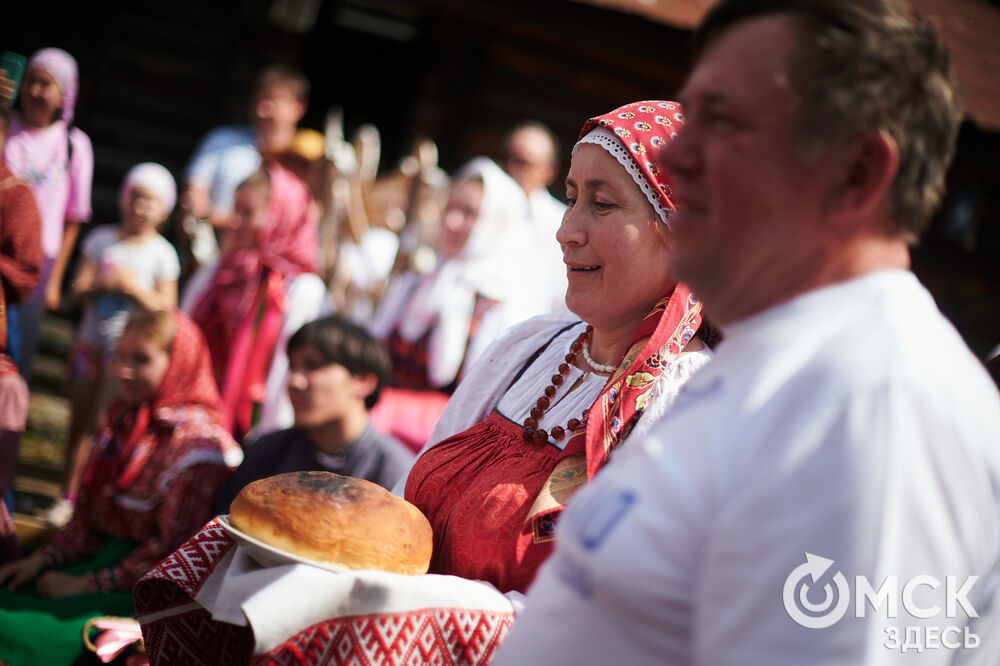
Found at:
<point>153,177</point>
<point>490,264</point>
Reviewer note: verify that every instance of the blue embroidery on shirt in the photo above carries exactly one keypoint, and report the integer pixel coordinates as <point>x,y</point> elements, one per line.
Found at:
<point>608,512</point>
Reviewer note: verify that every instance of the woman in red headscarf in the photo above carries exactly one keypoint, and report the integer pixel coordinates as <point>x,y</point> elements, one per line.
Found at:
<point>261,290</point>
<point>535,418</point>
<point>539,415</point>
<point>148,486</point>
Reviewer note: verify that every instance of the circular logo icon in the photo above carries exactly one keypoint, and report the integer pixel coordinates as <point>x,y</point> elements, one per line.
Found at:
<point>825,613</point>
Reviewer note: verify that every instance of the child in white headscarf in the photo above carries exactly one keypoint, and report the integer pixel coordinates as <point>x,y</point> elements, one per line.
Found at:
<point>125,267</point>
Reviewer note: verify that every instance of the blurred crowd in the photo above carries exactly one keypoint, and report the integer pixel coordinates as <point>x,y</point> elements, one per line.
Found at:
<point>277,226</point>
<point>190,356</point>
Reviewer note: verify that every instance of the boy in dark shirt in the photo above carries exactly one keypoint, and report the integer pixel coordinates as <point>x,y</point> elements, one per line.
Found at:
<point>335,372</point>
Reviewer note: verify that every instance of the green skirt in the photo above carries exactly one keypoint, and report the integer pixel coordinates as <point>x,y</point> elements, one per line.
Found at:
<point>48,632</point>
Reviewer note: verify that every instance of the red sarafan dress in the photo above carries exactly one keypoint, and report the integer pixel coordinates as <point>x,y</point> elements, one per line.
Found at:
<point>478,509</point>
<point>493,497</point>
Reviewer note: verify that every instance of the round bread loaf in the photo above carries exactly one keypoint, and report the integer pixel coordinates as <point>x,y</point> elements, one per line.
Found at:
<point>334,519</point>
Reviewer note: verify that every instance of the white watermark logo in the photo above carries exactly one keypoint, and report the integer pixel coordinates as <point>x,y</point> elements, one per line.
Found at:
<point>816,574</point>
<point>821,615</point>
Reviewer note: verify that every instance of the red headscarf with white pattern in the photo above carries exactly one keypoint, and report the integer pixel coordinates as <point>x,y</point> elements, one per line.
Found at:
<point>633,134</point>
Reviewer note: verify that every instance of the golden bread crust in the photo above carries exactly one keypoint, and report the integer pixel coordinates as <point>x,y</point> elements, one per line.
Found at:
<point>338,520</point>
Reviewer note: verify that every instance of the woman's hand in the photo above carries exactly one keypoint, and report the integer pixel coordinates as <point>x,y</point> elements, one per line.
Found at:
<point>55,585</point>
<point>21,571</point>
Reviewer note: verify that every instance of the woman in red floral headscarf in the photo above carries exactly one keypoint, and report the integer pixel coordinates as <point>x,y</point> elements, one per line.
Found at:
<point>261,290</point>
<point>533,420</point>
<point>539,415</point>
<point>149,485</point>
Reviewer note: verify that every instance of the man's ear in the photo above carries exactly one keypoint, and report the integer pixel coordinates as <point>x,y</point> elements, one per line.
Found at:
<point>868,165</point>
<point>364,385</point>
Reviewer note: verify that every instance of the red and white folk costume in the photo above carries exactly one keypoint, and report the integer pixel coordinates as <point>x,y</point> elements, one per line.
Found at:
<point>436,325</point>
<point>250,302</point>
<point>452,314</point>
<point>154,471</point>
<point>492,496</point>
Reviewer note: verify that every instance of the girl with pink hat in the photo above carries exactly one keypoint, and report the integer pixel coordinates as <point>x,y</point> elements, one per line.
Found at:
<point>55,158</point>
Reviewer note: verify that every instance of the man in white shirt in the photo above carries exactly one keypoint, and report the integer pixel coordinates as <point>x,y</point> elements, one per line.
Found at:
<point>825,491</point>
<point>531,159</point>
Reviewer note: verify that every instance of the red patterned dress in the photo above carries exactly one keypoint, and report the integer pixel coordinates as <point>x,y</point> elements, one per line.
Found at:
<point>151,479</point>
<point>154,471</point>
<point>168,500</point>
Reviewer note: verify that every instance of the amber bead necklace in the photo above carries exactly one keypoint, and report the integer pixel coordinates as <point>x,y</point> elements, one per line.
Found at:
<point>530,430</point>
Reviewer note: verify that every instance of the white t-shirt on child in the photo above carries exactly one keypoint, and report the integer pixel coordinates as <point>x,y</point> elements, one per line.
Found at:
<point>150,263</point>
